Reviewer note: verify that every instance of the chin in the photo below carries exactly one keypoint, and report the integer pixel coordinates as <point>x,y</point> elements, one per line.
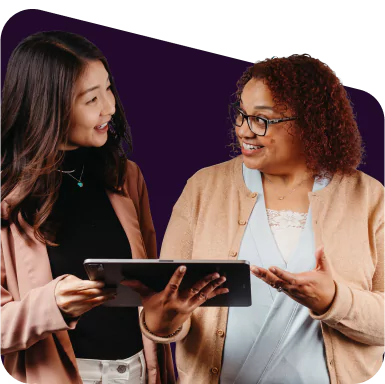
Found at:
<point>252,163</point>
<point>99,143</point>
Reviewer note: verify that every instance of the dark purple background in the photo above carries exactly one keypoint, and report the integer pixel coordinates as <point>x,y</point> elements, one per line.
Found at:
<point>175,99</point>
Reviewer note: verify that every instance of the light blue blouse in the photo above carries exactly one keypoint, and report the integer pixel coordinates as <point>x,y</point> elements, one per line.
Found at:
<point>274,340</point>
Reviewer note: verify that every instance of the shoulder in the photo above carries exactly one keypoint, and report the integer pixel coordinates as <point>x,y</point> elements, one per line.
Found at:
<point>220,173</point>
<point>7,203</point>
<point>132,170</point>
<point>134,181</point>
<point>359,192</point>
<point>361,183</point>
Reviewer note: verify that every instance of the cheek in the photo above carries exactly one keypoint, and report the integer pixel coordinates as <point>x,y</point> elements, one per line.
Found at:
<point>87,119</point>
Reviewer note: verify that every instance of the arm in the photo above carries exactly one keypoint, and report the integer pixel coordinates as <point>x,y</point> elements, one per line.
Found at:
<point>356,313</point>
<point>177,244</point>
<point>145,219</point>
<point>25,322</point>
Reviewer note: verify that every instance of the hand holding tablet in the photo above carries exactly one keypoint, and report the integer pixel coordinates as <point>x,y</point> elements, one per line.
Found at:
<point>156,274</point>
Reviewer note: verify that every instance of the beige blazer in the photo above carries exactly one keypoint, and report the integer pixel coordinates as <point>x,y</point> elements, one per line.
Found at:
<point>34,338</point>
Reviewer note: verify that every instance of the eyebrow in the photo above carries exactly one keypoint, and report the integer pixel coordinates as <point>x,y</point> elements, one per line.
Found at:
<point>261,107</point>
<point>92,88</point>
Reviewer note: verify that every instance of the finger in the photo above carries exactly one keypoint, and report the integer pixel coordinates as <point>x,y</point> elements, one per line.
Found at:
<point>96,292</point>
<point>72,303</point>
<point>82,285</point>
<point>204,294</point>
<point>98,300</point>
<point>267,276</point>
<point>201,284</point>
<point>322,263</point>
<point>218,291</point>
<point>175,281</point>
<point>212,286</point>
<point>138,287</point>
<point>291,278</point>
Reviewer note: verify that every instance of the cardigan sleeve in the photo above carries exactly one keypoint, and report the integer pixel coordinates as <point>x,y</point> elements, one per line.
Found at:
<point>359,314</point>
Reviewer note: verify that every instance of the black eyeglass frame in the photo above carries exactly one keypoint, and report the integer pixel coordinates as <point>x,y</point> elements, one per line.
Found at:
<point>266,121</point>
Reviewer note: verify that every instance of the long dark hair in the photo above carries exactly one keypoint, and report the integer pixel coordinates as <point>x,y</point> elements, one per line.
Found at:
<point>36,108</point>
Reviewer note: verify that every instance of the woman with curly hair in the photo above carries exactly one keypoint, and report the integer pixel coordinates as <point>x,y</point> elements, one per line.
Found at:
<point>311,225</point>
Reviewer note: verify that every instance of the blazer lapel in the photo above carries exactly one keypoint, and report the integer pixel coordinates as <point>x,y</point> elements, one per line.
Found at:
<point>126,213</point>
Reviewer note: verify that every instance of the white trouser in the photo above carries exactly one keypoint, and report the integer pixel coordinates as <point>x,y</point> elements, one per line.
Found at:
<point>127,371</point>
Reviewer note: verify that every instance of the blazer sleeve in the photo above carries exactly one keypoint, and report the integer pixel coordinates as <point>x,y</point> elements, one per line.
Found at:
<point>24,322</point>
<point>145,218</point>
<point>359,314</point>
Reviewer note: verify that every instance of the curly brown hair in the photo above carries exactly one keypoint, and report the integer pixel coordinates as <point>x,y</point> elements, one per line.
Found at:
<point>326,125</point>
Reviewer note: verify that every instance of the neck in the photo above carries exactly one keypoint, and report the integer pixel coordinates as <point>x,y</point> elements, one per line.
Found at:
<point>289,178</point>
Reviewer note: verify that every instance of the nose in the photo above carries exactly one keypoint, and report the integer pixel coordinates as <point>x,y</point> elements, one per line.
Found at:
<point>108,104</point>
<point>244,130</point>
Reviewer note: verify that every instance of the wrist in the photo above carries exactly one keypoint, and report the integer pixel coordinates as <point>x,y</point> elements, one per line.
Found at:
<point>324,309</point>
<point>164,333</point>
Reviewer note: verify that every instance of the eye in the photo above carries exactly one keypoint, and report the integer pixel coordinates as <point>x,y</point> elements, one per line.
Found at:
<point>92,101</point>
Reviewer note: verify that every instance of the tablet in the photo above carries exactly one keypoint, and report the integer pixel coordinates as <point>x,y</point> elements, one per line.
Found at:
<point>157,273</point>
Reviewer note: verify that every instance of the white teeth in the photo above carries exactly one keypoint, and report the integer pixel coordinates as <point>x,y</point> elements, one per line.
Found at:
<point>101,126</point>
<point>250,147</point>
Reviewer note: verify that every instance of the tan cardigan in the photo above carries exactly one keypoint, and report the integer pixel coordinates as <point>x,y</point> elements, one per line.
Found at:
<point>208,222</point>
<point>34,336</point>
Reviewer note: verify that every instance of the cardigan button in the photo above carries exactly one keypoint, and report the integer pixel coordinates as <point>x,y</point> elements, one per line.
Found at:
<point>254,194</point>
<point>214,370</point>
<point>233,253</point>
<point>331,362</point>
<point>241,222</point>
<point>220,332</point>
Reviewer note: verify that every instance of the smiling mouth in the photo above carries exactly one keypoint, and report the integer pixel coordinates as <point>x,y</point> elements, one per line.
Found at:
<point>101,126</point>
<point>250,147</point>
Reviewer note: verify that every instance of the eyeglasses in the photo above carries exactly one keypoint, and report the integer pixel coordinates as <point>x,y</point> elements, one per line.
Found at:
<point>257,124</point>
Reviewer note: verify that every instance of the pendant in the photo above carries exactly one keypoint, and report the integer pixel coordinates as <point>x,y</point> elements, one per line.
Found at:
<point>80,184</point>
<point>281,198</point>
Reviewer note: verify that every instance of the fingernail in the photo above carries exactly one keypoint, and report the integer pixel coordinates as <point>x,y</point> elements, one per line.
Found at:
<point>255,270</point>
<point>273,270</point>
<point>182,269</point>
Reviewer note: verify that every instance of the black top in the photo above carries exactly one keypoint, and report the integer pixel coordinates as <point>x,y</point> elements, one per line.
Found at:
<point>89,228</point>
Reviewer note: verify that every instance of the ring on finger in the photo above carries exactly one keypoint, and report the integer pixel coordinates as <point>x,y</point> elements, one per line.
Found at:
<point>202,296</point>
<point>194,291</point>
<point>279,289</point>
